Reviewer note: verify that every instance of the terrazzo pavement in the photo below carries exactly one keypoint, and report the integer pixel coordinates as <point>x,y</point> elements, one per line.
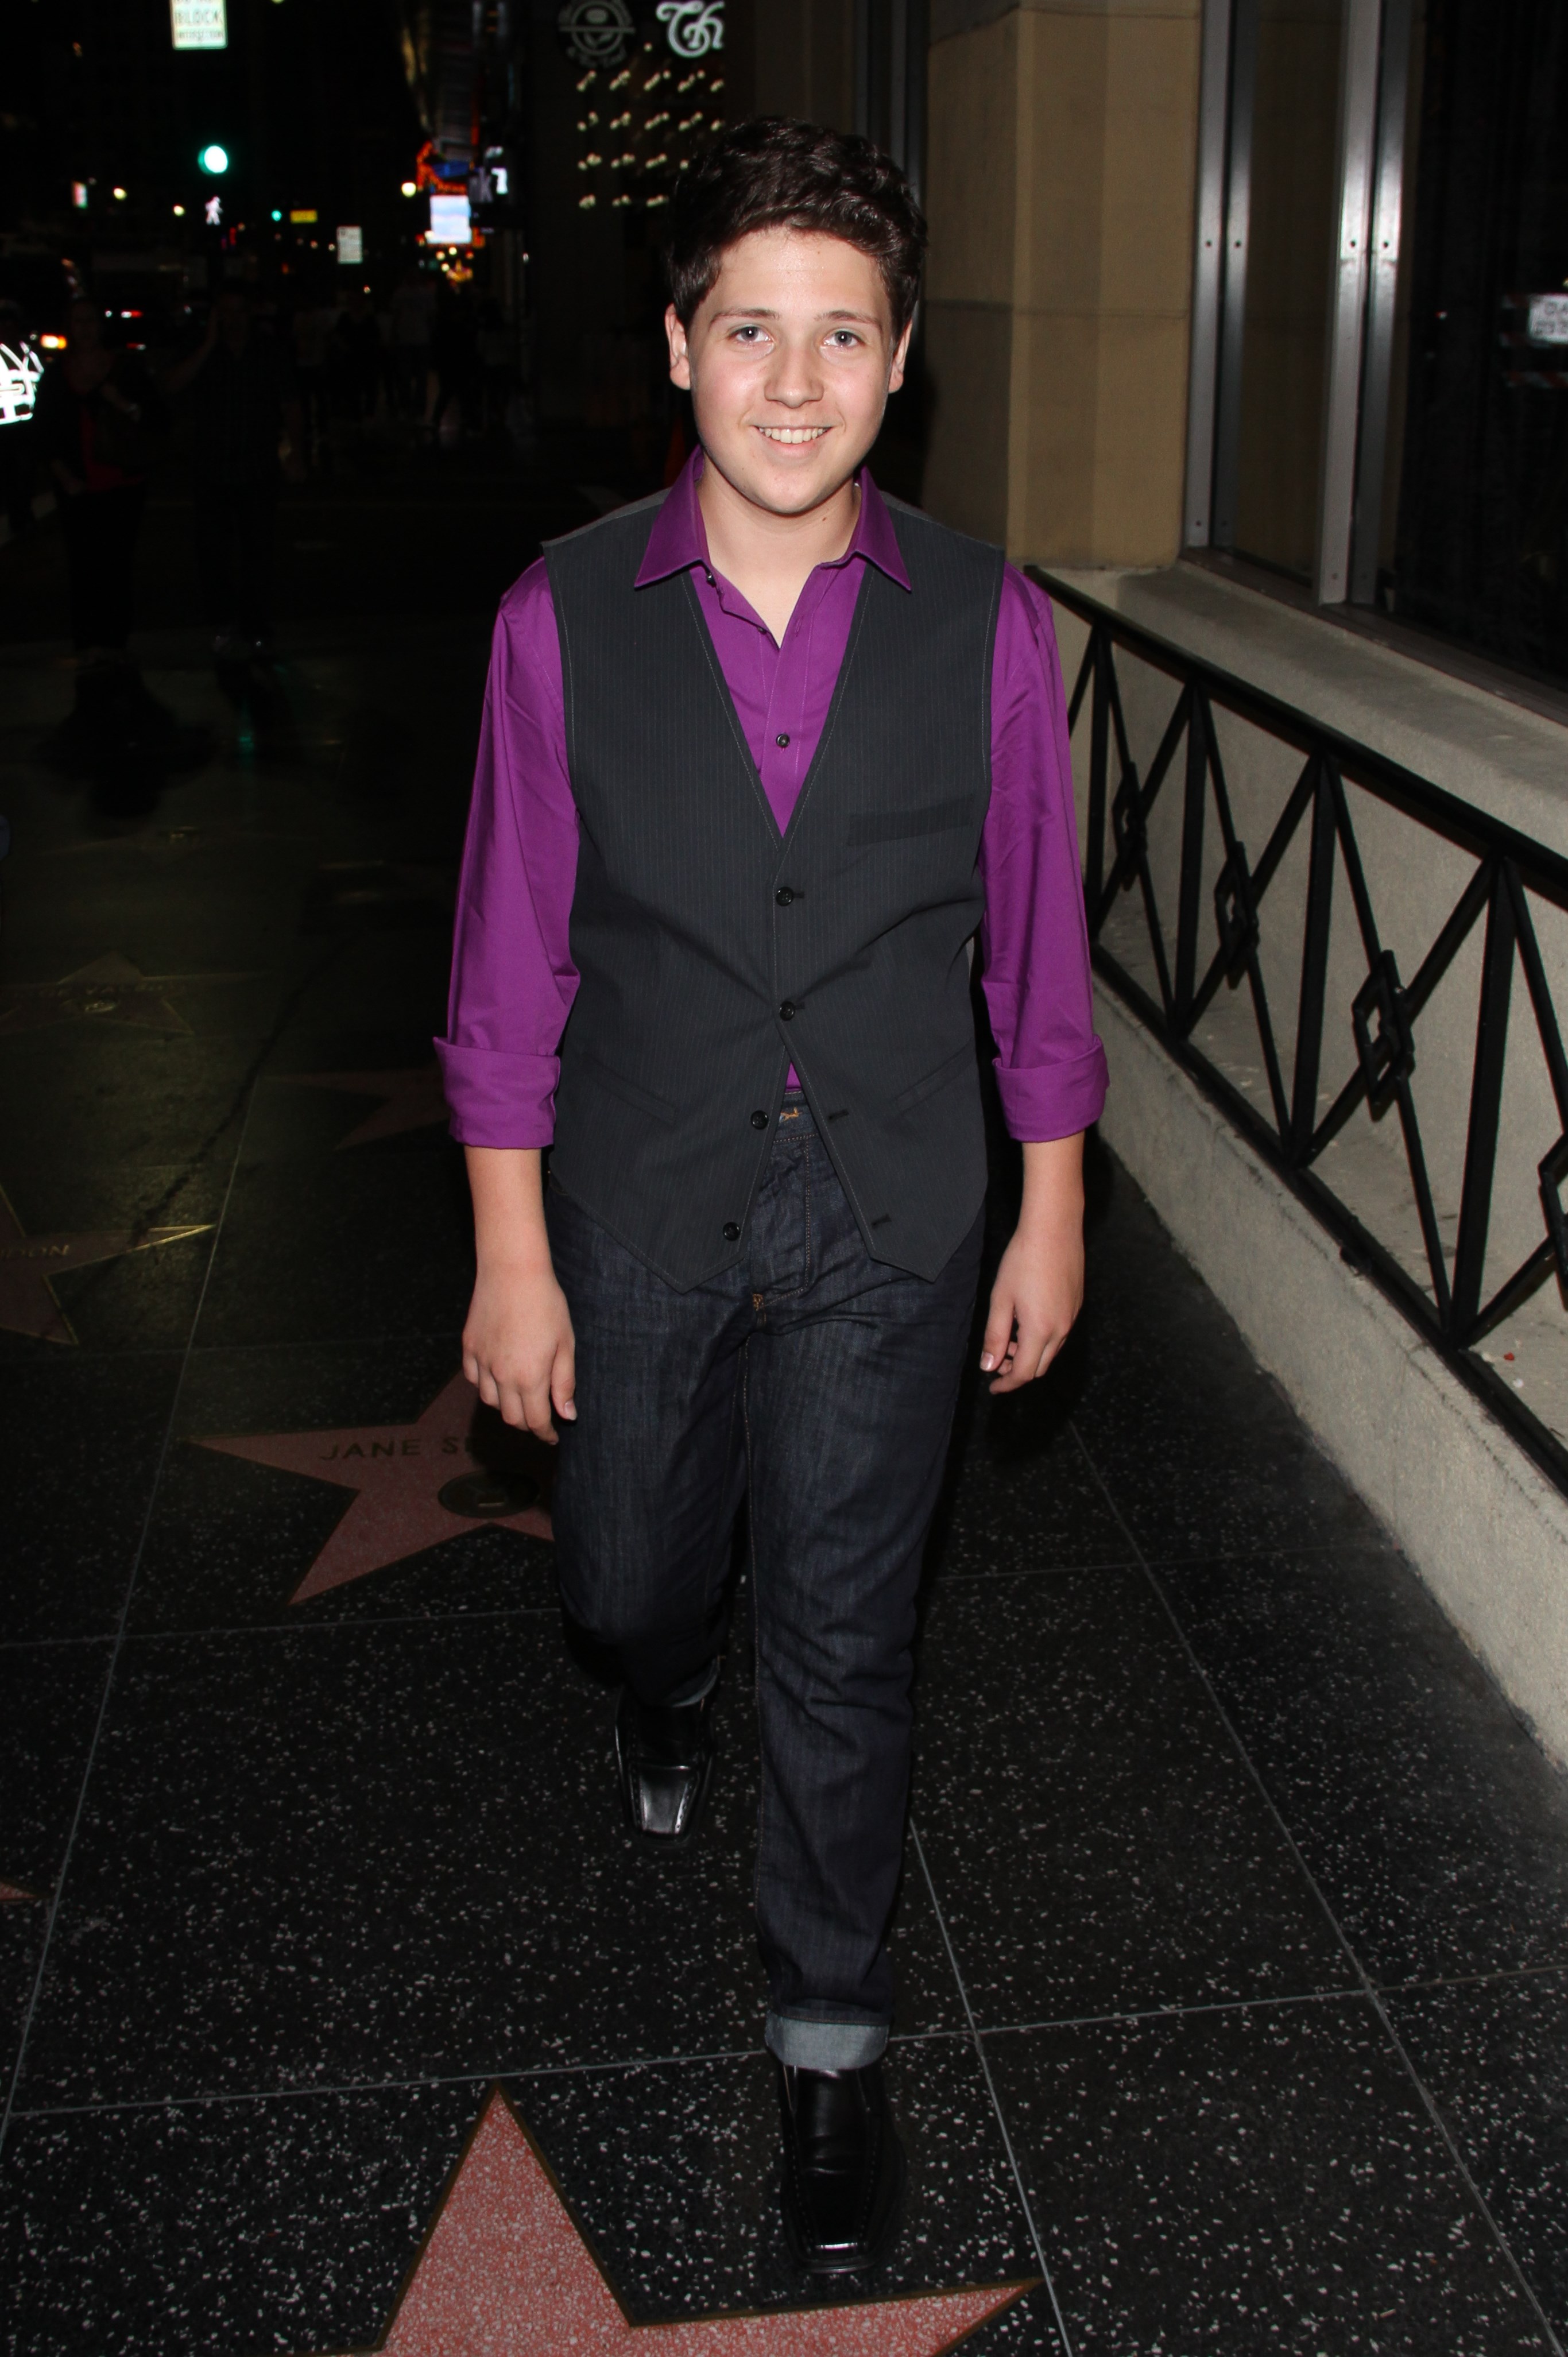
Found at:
<point>1232,1943</point>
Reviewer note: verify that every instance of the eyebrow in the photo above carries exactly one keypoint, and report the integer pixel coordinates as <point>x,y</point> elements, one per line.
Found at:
<point>760,311</point>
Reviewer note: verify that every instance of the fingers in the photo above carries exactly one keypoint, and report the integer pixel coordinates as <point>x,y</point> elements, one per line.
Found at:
<point>1018,1346</point>
<point>997,1341</point>
<point>523,1403</point>
<point>563,1380</point>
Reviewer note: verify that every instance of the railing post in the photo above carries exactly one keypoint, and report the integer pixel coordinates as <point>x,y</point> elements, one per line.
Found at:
<point>1098,760</point>
<point>1486,1104</point>
<point>1313,967</point>
<point>1190,896</point>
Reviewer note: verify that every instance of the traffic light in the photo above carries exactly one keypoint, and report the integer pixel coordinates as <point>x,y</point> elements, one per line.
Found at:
<point>214,160</point>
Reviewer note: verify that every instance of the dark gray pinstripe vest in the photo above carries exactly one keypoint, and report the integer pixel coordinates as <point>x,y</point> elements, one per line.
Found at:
<point>713,953</point>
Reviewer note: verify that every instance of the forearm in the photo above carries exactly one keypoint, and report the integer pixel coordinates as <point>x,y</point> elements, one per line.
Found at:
<point>508,1190</point>
<point>1053,1188</point>
<point>1039,1285</point>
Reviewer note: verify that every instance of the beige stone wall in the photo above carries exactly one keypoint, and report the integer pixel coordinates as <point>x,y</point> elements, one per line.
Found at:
<point>1060,185</point>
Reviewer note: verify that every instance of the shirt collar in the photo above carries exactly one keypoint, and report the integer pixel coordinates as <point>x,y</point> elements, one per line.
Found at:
<point>679,538</point>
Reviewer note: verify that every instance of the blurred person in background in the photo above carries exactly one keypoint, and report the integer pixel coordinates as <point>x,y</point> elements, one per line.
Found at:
<point>356,357</point>
<point>94,406</point>
<point>315,324</point>
<point>413,315</point>
<point>245,419</point>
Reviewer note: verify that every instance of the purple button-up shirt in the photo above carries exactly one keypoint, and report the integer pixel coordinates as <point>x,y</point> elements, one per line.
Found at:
<point>514,981</point>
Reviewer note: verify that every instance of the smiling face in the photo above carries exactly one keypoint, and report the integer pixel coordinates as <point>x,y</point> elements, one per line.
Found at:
<point>789,359</point>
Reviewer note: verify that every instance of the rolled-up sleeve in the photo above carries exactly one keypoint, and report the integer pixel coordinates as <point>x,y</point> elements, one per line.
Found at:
<point>1050,1067</point>
<point>514,981</point>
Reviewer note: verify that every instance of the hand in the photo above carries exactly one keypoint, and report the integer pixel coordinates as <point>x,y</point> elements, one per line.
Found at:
<point>1038,1290</point>
<point>519,1350</point>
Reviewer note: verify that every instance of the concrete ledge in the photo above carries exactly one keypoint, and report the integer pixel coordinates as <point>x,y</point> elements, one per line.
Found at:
<point>1487,1531</point>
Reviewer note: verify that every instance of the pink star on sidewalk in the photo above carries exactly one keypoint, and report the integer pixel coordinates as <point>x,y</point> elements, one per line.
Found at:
<point>398,1472</point>
<point>504,2273</point>
<point>28,1304</point>
<point>411,1099</point>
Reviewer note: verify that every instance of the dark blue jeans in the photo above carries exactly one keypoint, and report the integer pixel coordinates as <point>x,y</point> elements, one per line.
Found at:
<point>819,1386</point>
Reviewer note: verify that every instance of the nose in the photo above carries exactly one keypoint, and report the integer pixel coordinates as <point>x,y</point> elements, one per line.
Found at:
<point>795,378</point>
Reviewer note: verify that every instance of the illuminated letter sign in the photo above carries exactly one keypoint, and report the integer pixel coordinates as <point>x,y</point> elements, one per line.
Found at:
<point>696,26</point>
<point>198,23</point>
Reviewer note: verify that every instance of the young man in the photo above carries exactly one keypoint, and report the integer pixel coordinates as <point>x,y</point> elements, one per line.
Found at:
<point>760,758</point>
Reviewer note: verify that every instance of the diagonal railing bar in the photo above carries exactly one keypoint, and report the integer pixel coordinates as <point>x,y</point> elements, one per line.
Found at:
<point>1122,874</point>
<point>1449,942</point>
<point>1189,890</point>
<point>1389,1001</point>
<point>1289,819</point>
<point>1485,1103</point>
<point>1085,672</point>
<point>1350,852</point>
<point>1545,1012</point>
<point>1511,872</point>
<point>1310,1003</point>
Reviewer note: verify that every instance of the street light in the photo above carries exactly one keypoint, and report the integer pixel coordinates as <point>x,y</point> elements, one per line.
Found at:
<point>410,189</point>
<point>214,160</point>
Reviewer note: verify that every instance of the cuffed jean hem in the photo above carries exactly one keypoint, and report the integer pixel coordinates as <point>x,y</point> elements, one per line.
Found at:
<point>825,2045</point>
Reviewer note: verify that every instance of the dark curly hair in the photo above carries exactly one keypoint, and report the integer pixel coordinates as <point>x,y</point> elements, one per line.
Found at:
<point>771,174</point>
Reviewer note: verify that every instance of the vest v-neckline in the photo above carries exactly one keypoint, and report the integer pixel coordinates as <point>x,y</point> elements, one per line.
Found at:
<point>781,836</point>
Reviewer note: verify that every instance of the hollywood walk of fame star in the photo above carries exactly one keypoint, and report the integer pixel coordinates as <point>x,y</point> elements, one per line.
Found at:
<point>110,990</point>
<point>411,1099</point>
<point>28,1304</point>
<point>504,2273</point>
<point>398,1472</point>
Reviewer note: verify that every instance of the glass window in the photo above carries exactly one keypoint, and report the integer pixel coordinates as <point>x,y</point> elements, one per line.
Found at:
<point>1481,551</point>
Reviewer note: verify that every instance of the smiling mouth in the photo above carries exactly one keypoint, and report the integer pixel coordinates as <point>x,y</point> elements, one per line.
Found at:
<point>792,437</point>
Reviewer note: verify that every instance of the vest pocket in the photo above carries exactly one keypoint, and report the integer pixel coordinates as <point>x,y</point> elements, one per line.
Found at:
<point>897,825</point>
<point>643,1099</point>
<point>949,1070</point>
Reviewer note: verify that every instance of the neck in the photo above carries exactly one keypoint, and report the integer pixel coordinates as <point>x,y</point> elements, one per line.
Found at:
<point>770,557</point>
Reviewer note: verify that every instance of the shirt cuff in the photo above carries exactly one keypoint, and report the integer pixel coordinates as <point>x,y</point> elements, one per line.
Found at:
<point>496,1099</point>
<point>1044,1101</point>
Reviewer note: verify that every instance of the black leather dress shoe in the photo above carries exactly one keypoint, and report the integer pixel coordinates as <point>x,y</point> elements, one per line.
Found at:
<point>843,2169</point>
<point>665,1758</point>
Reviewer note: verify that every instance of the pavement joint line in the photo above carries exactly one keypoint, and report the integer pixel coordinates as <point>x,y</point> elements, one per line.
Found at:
<point>117,1645</point>
<point>118,1641</point>
<point>984,2061</point>
<point>1369,1987</point>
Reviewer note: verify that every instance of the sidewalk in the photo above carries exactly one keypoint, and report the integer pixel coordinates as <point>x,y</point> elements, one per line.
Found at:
<point>1233,1941</point>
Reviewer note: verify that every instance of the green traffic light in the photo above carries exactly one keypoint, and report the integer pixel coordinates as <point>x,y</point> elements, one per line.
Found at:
<point>214,160</point>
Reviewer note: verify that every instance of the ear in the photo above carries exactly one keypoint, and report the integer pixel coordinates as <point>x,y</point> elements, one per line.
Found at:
<point>901,353</point>
<point>679,358</point>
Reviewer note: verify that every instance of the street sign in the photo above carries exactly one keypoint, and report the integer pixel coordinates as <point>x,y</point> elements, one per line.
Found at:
<point>198,23</point>
<point>350,245</point>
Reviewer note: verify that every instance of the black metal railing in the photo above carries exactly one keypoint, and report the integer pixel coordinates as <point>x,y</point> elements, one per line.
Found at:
<point>1218,946</point>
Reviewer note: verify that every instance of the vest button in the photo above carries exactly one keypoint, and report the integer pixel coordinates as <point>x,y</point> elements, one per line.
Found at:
<point>732,1231</point>
<point>787,1012</point>
<point>759,1121</point>
<point>781,741</point>
<point>784,896</point>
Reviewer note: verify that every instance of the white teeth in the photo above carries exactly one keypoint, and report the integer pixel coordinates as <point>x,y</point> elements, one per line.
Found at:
<point>793,433</point>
